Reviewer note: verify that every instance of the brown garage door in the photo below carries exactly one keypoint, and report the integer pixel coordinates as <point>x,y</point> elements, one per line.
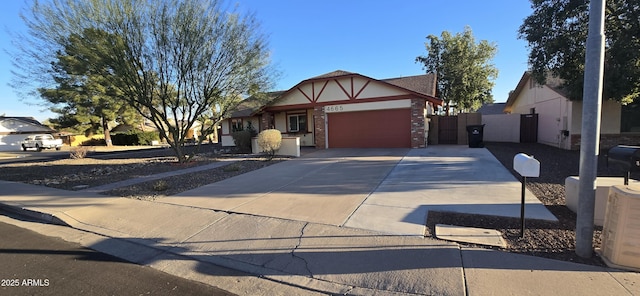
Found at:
<point>370,129</point>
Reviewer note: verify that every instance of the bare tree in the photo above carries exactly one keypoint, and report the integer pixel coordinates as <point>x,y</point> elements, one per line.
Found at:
<point>175,61</point>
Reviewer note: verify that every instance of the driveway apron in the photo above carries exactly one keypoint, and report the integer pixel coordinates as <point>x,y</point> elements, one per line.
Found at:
<point>321,187</point>
<point>444,178</point>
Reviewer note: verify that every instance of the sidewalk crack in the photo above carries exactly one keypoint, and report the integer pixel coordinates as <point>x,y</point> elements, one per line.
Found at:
<point>293,254</point>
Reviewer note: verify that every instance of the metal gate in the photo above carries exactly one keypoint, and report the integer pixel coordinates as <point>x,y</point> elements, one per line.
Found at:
<point>448,130</point>
<point>529,128</point>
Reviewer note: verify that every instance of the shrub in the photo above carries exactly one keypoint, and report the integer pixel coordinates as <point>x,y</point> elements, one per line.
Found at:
<point>242,139</point>
<point>94,142</point>
<point>145,138</point>
<point>134,138</point>
<point>79,152</point>
<point>160,185</point>
<point>269,141</point>
<point>251,129</point>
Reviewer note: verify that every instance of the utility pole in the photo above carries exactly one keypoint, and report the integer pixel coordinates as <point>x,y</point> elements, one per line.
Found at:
<point>590,139</point>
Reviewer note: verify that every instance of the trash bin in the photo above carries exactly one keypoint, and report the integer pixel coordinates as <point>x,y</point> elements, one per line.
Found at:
<point>475,133</point>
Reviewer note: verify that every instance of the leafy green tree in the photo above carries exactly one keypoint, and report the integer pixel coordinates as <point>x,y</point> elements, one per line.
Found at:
<point>84,95</point>
<point>464,68</point>
<point>175,61</point>
<point>557,32</point>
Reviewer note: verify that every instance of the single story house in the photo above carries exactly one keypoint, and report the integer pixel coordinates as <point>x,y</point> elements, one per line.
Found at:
<point>492,109</point>
<point>147,126</point>
<point>344,110</point>
<point>14,130</point>
<point>560,119</point>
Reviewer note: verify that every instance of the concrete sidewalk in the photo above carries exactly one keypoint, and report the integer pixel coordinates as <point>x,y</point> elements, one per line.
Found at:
<point>309,258</point>
<point>259,253</point>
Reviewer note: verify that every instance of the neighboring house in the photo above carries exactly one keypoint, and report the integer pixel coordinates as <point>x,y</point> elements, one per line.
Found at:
<point>127,128</point>
<point>13,130</point>
<point>492,109</point>
<point>559,119</point>
<point>148,126</point>
<point>343,109</point>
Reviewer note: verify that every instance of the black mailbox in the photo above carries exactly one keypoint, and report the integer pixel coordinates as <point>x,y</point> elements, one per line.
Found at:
<point>625,158</point>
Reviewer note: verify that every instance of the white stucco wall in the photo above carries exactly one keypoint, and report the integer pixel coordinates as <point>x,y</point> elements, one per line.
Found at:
<point>556,113</point>
<point>609,121</point>
<point>501,128</point>
<point>377,89</point>
<point>383,105</point>
<point>331,92</point>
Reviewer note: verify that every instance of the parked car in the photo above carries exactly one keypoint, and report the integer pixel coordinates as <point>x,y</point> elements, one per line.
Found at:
<point>43,141</point>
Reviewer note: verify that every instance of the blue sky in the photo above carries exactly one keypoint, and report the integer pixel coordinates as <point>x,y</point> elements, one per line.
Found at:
<point>379,39</point>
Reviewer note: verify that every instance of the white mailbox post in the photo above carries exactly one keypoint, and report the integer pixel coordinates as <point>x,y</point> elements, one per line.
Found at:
<point>526,166</point>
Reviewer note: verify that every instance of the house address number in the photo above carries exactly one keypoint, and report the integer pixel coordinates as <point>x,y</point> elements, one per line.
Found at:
<point>333,108</point>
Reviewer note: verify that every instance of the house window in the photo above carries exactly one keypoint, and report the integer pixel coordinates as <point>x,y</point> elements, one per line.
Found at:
<point>236,125</point>
<point>298,123</point>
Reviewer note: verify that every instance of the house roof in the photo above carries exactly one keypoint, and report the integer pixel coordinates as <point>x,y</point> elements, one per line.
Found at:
<point>513,95</point>
<point>423,85</point>
<point>25,122</point>
<point>249,106</point>
<point>553,83</point>
<point>492,109</point>
<point>125,128</point>
<point>30,120</point>
<point>336,73</point>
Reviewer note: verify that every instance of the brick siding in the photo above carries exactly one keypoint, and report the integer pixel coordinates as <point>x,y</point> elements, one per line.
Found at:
<point>417,123</point>
<point>319,126</point>
<point>610,140</point>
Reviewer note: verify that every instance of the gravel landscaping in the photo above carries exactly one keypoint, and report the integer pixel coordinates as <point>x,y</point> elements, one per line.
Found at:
<point>542,238</point>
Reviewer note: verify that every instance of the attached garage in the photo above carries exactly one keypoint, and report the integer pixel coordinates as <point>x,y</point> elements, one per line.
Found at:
<point>370,129</point>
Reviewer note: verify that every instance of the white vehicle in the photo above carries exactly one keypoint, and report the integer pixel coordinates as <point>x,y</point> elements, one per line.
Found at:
<point>43,141</point>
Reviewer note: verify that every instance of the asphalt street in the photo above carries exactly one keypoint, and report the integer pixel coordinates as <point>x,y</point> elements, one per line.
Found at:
<point>34,264</point>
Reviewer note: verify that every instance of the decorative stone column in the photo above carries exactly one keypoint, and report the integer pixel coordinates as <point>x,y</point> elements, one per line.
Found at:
<point>417,123</point>
<point>319,123</point>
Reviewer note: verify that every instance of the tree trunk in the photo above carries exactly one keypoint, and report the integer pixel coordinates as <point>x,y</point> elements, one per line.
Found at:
<point>107,133</point>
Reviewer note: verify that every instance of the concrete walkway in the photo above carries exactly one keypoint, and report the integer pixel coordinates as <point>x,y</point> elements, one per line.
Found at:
<point>254,253</point>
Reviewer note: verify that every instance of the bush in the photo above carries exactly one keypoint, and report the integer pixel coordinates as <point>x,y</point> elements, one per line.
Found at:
<point>94,142</point>
<point>160,185</point>
<point>146,138</point>
<point>269,141</point>
<point>134,138</point>
<point>79,152</point>
<point>242,139</point>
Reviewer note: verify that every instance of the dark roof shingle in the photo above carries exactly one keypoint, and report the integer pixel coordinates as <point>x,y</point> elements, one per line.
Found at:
<point>424,84</point>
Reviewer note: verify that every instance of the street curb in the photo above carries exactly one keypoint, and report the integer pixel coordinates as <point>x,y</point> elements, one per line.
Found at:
<point>161,258</point>
<point>35,215</point>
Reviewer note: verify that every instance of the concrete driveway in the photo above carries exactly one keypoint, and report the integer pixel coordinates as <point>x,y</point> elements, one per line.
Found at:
<point>388,190</point>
